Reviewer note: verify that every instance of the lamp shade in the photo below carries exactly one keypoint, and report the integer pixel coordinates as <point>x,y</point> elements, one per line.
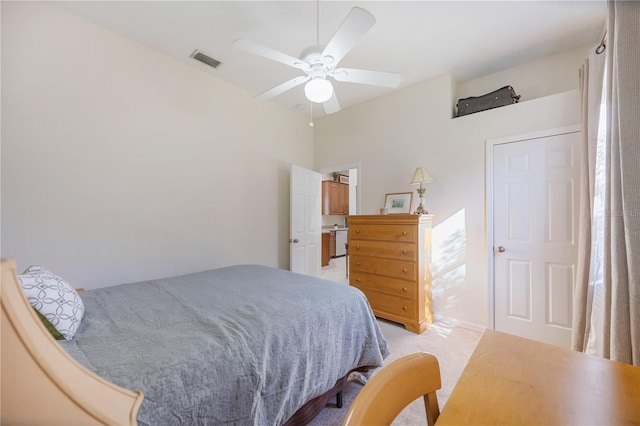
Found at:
<point>421,176</point>
<point>318,90</point>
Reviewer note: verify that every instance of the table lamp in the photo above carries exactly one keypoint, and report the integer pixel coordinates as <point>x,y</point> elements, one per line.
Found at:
<point>421,177</point>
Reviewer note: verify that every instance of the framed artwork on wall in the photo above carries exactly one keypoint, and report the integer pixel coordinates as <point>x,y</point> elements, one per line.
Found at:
<point>398,202</point>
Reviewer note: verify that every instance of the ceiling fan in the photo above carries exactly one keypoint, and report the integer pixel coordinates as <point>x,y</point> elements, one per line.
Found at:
<point>319,63</point>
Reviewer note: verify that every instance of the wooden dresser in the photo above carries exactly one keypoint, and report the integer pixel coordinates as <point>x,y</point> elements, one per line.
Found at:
<point>390,261</point>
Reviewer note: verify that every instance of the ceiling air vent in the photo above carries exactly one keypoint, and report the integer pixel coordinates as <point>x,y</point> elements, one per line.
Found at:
<point>199,56</point>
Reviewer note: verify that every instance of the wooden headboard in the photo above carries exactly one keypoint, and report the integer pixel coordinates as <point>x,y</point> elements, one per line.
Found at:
<point>40,383</point>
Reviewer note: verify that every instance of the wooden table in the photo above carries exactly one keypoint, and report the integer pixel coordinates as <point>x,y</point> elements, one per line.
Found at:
<point>514,381</point>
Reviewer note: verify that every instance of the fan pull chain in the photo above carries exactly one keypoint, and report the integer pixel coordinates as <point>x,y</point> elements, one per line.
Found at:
<point>310,114</point>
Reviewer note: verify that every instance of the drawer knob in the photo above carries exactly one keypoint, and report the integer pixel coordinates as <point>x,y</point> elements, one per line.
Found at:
<point>404,232</point>
<point>357,231</point>
<point>404,270</point>
<point>404,308</point>
<point>358,263</point>
<point>404,252</point>
<point>357,280</point>
<point>358,247</point>
<point>404,289</point>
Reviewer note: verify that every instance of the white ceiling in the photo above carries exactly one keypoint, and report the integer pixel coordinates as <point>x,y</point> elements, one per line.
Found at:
<point>419,39</point>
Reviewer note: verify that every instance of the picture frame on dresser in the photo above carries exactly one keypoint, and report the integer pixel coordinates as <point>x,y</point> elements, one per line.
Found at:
<point>398,202</point>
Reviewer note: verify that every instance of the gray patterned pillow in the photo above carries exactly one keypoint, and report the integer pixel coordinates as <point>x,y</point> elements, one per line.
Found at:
<point>55,300</point>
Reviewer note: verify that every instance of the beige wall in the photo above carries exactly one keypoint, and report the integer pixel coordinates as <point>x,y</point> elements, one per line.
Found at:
<point>121,164</point>
<point>392,135</point>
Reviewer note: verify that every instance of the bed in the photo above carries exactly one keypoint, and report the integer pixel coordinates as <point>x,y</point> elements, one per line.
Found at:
<point>245,344</point>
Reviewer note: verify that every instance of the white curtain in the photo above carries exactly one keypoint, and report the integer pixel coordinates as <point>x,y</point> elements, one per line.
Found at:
<point>591,84</point>
<point>607,293</point>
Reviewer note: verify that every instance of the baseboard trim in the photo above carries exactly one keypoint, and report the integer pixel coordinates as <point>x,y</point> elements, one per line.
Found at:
<point>471,326</point>
<point>454,322</point>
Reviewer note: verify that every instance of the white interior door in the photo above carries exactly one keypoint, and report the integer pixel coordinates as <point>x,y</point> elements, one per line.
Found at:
<point>305,234</point>
<point>535,204</point>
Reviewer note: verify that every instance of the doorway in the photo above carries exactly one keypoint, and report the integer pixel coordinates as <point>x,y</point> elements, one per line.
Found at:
<point>532,203</point>
<point>336,268</point>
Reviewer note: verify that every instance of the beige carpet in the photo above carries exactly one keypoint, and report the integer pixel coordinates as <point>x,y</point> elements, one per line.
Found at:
<point>450,344</point>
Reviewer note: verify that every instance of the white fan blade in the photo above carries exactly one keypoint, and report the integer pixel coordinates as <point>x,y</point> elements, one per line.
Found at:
<point>281,88</point>
<point>374,78</point>
<point>354,26</point>
<point>332,105</point>
<point>266,52</point>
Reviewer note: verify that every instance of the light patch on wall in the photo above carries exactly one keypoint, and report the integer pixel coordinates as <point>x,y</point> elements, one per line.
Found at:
<point>449,268</point>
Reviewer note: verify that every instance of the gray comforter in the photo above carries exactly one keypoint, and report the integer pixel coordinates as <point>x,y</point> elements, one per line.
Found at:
<point>243,345</point>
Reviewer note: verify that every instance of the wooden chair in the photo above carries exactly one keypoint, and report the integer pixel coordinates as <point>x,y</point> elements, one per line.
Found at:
<point>394,387</point>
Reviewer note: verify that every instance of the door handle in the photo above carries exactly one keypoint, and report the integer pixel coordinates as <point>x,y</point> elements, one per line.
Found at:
<point>294,241</point>
<point>500,249</point>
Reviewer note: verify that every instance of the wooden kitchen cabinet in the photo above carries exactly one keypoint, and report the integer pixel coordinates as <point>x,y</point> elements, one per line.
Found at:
<point>335,198</point>
<point>326,256</point>
<point>332,244</point>
<point>390,262</point>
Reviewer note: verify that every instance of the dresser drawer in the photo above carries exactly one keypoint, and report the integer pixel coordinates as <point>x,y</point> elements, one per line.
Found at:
<point>387,285</point>
<point>384,303</point>
<point>389,268</point>
<point>402,233</point>
<point>398,251</point>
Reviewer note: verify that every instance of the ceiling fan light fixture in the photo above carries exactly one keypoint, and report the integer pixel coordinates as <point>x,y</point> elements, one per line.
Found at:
<point>318,90</point>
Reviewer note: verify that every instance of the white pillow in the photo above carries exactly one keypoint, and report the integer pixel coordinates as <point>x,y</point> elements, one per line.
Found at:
<point>54,299</point>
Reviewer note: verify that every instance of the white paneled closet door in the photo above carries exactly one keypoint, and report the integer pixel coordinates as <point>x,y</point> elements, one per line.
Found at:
<point>535,185</point>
